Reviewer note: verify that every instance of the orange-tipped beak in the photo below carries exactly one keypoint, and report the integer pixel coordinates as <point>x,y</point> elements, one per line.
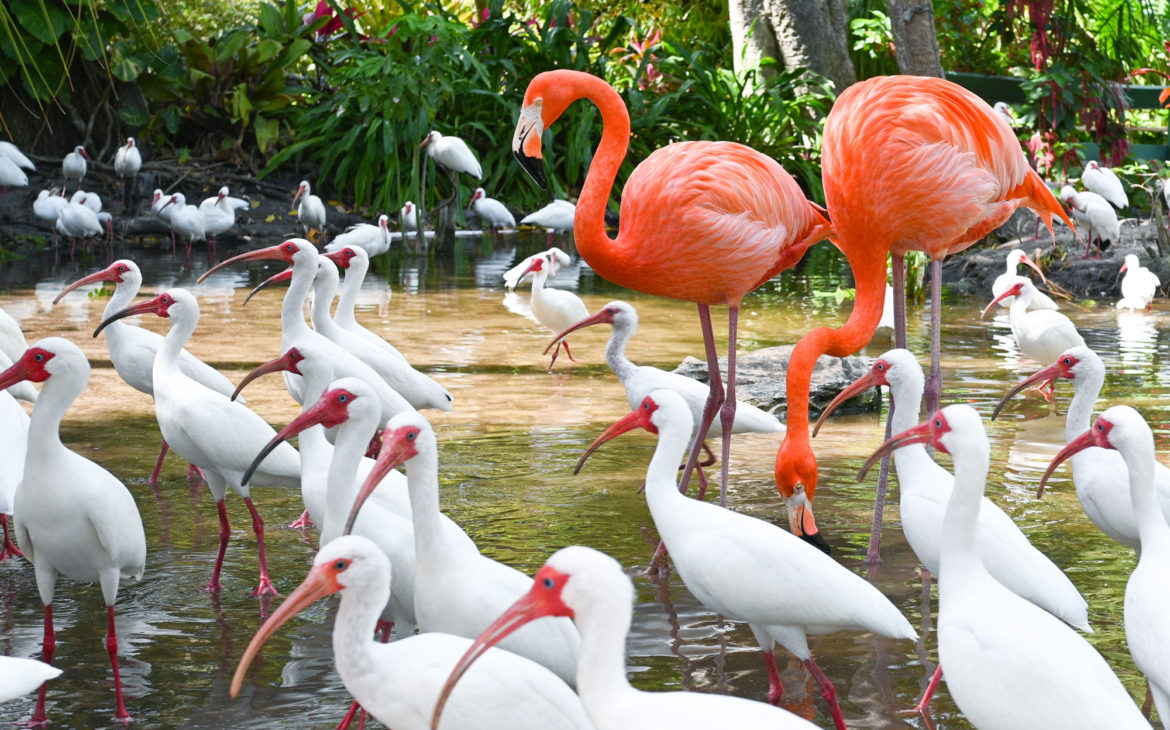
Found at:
<point>639,417</point>
<point>862,384</point>
<point>317,584</point>
<point>274,279</point>
<point>920,434</point>
<point>107,274</point>
<point>1042,376</point>
<point>1080,443</point>
<point>600,317</point>
<point>152,306</point>
<point>1011,292</point>
<point>395,451</point>
<point>272,252</point>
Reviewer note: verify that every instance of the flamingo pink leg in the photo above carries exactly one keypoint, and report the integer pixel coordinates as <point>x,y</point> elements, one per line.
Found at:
<point>873,552</point>
<point>112,649</point>
<point>924,703</point>
<point>225,532</point>
<point>727,412</point>
<point>48,647</point>
<point>301,523</point>
<point>934,381</point>
<point>158,464</point>
<point>714,400</point>
<point>775,688</point>
<point>9,550</point>
<point>828,692</point>
<point>265,587</point>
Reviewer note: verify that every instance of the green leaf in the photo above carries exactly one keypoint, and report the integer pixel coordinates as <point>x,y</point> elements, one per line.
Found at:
<point>43,20</point>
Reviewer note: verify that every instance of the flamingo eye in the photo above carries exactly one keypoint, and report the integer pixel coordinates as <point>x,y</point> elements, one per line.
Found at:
<point>341,565</point>
<point>548,583</point>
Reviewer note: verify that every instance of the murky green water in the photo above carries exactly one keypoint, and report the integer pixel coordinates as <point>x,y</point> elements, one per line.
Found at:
<point>507,453</point>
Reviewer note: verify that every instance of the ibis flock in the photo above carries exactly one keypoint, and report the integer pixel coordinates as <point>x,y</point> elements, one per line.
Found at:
<point>433,633</point>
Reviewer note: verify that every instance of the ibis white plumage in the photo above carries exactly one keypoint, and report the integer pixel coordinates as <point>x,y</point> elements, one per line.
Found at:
<point>373,239</point>
<point>557,217</point>
<point>13,345</point>
<point>491,211</point>
<point>311,211</point>
<point>1139,286</point>
<point>521,272</point>
<point>1095,215</point>
<point>556,309</point>
<point>1104,182</point>
<point>1015,257</point>
<point>1041,334</point>
<point>73,165</point>
<point>11,176</point>
<point>13,153</point>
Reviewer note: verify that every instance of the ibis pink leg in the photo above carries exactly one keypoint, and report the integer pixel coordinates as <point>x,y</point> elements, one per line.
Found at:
<point>345,721</point>
<point>828,692</point>
<point>265,587</point>
<point>567,353</point>
<point>775,688</point>
<point>301,523</point>
<point>934,381</point>
<point>162,454</point>
<point>112,649</point>
<point>924,703</point>
<point>195,472</point>
<point>383,629</point>
<point>48,647</point>
<point>225,532</point>
<point>714,400</point>
<point>9,550</point>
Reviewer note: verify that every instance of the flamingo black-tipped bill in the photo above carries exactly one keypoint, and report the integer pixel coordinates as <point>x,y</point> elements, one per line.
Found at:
<point>862,384</point>
<point>1080,443</point>
<point>1012,291</point>
<point>283,252</point>
<point>329,410</point>
<point>599,318</point>
<point>639,417</point>
<point>274,279</point>
<point>543,599</point>
<point>320,582</point>
<point>920,434</point>
<point>285,363</point>
<point>526,142</point>
<point>113,272</point>
<point>157,306</point>
<point>398,445</point>
<point>1045,375</point>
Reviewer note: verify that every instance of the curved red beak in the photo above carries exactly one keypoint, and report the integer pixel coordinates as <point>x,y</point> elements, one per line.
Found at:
<point>1041,376</point>
<point>637,418</point>
<point>396,450</point>
<point>274,279</point>
<point>1080,443</point>
<point>1011,292</point>
<point>862,384</point>
<point>600,317</point>
<point>920,434</point>
<point>272,252</point>
<point>110,273</point>
<point>152,306</point>
<point>324,412</point>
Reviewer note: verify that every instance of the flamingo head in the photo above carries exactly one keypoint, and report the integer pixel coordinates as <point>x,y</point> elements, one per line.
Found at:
<point>346,561</point>
<point>1119,424</point>
<point>117,272</point>
<point>796,480</point>
<point>160,306</point>
<point>1012,291</point>
<point>401,439</point>
<point>294,251</point>
<point>547,97</point>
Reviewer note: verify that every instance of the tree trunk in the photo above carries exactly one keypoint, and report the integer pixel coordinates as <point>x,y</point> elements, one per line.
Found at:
<point>915,41</point>
<point>810,34</point>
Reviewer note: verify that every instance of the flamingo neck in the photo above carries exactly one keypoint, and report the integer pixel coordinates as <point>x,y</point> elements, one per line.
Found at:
<point>350,286</point>
<point>957,555</point>
<point>870,279</point>
<point>353,629</point>
<point>292,318</point>
<point>353,436</point>
<point>44,428</point>
<point>604,624</point>
<point>422,479</point>
<point>1152,527</point>
<point>595,246</point>
<point>615,350</point>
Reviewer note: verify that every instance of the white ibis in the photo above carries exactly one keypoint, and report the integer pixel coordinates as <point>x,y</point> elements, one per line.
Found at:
<point>1104,182</point>
<point>1015,257</point>
<point>556,309</point>
<point>457,590</point>
<point>592,589</point>
<point>454,156</point>
<point>782,586</point>
<point>78,221</point>
<point>924,490</point>
<point>75,518</point>
<point>408,217</point>
<point>1139,286</point>
<point>356,263</point>
<point>73,166</point>
<point>311,211</point>
<point>127,162</point>
<point>491,211</point>
<point>224,198</point>
<point>19,676</point>
<point>1004,112</point>
<point>13,344</point>
<point>186,221</point>
<point>48,207</point>
<point>419,389</point>
<point>14,424</point>
<point>1009,663</point>
<point>641,381</point>
<point>13,153</point>
<point>520,273</point>
<point>132,349</point>
<point>295,332</point>
<point>1094,213</point>
<point>373,239</point>
<point>11,176</point>
<point>219,214</point>
<point>1041,334</point>
<point>1147,628</point>
<point>399,683</point>
<point>1098,474</point>
<point>556,217</point>
<point>203,426</point>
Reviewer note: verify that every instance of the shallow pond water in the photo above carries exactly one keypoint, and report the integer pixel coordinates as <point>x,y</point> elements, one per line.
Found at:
<point>507,452</point>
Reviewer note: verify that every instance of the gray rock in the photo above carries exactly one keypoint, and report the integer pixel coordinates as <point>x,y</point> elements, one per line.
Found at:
<point>760,380</point>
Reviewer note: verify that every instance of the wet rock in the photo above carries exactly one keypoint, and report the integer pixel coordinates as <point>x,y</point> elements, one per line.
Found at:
<point>760,380</point>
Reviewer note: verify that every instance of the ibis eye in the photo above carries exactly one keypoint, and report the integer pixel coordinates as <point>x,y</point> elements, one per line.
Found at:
<point>290,248</point>
<point>342,398</point>
<point>1068,361</point>
<point>881,366</point>
<point>341,565</point>
<point>937,423</point>
<point>410,435</point>
<point>39,357</point>
<point>549,583</point>
<point>122,269</point>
